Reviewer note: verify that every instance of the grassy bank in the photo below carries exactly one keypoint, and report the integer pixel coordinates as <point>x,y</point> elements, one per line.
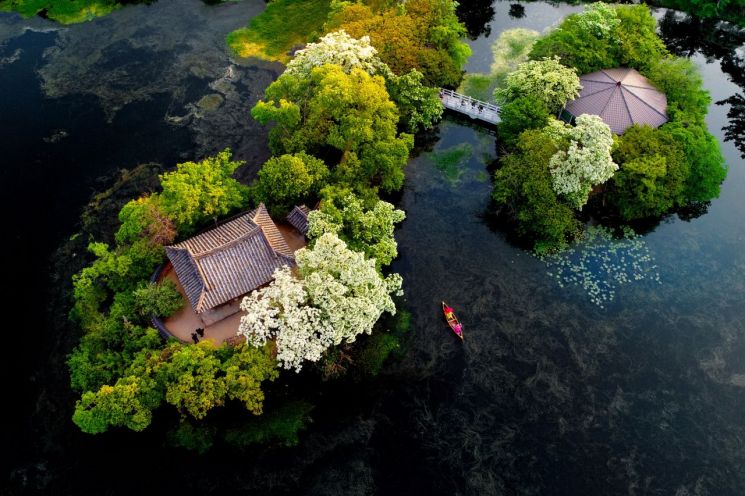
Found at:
<point>283,25</point>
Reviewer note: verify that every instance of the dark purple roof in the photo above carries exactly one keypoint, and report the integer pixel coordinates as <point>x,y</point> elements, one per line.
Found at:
<point>298,218</point>
<point>621,97</point>
<point>230,260</point>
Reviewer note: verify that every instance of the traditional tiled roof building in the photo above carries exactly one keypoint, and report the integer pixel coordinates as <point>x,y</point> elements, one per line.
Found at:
<point>233,259</point>
<point>298,218</point>
<point>621,97</point>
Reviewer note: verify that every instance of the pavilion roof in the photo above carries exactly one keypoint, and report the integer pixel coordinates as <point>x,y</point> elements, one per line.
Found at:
<point>229,260</point>
<point>621,97</point>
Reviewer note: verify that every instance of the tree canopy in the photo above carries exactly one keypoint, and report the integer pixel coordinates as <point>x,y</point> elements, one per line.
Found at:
<point>199,191</point>
<point>289,180</point>
<point>545,80</point>
<point>337,296</point>
<point>367,230</point>
<point>348,118</point>
<point>583,159</point>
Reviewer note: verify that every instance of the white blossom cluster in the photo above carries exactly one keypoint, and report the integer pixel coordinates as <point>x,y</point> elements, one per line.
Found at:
<point>346,286</point>
<point>545,80</point>
<point>338,48</point>
<point>601,262</point>
<point>599,18</point>
<point>337,296</point>
<point>587,160</point>
<point>281,312</point>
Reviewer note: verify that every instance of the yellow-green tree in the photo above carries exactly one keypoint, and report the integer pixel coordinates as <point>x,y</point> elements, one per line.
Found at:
<point>347,119</point>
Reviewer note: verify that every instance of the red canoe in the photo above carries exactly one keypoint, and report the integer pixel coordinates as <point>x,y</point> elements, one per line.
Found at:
<point>453,322</point>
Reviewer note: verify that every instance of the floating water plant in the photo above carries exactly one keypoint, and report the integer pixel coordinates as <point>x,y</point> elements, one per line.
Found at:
<point>602,261</point>
<point>451,160</point>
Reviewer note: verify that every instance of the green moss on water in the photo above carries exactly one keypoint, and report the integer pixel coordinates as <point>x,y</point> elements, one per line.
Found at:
<point>384,344</point>
<point>283,25</point>
<point>211,102</point>
<point>451,161</point>
<point>62,11</point>
<point>281,425</point>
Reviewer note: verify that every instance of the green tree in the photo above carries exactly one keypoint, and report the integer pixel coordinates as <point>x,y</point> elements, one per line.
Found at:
<point>651,176</point>
<point>162,299</point>
<point>144,218</point>
<point>543,80</point>
<point>288,180</point>
<point>419,106</point>
<point>422,34</point>
<point>681,81</point>
<point>332,110</point>
<point>604,37</point>
<point>519,115</point>
<point>704,157</point>
<point>636,41</point>
<point>128,403</point>
<point>199,191</point>
<point>369,231</point>
<point>523,188</point>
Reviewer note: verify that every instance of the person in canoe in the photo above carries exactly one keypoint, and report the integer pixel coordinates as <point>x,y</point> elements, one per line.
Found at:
<point>449,313</point>
<point>453,322</point>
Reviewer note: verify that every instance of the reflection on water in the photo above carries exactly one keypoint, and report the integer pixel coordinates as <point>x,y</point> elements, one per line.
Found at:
<point>735,130</point>
<point>601,262</point>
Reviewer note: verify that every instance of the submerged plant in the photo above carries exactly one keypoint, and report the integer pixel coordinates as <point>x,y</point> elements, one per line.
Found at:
<point>601,261</point>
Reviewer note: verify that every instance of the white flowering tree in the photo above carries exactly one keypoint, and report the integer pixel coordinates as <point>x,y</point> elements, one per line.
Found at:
<point>544,80</point>
<point>282,312</point>
<point>337,296</point>
<point>346,286</point>
<point>369,231</point>
<point>585,162</point>
<point>338,48</point>
<point>599,18</point>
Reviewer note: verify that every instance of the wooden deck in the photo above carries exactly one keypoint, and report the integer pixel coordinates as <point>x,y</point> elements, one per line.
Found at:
<point>475,109</point>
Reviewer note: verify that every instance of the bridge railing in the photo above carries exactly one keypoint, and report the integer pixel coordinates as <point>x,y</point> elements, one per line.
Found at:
<point>470,106</point>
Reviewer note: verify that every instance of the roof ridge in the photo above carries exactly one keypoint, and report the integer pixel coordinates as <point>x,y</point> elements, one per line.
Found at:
<point>227,244</point>
<point>643,102</point>
<point>612,86</point>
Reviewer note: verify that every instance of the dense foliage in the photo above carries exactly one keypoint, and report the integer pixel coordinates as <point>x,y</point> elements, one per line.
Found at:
<point>288,180</point>
<point>644,173</point>
<point>348,119</point>
<point>418,105</point>
<point>523,188</point>
<point>369,231</point>
<point>545,81</point>
<point>337,295</point>
<point>420,34</point>
<point>122,367</point>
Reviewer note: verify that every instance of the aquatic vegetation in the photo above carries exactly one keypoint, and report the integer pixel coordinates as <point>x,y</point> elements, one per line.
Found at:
<point>601,261</point>
<point>65,12</point>
<point>450,161</point>
<point>283,25</point>
<point>509,50</point>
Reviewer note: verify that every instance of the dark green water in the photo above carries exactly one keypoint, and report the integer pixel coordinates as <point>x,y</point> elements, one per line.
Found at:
<point>549,394</point>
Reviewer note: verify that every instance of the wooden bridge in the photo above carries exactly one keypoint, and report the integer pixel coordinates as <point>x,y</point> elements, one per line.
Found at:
<point>475,109</point>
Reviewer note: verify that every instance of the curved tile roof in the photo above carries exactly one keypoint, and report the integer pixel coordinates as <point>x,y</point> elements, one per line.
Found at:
<point>621,97</point>
<point>230,260</point>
